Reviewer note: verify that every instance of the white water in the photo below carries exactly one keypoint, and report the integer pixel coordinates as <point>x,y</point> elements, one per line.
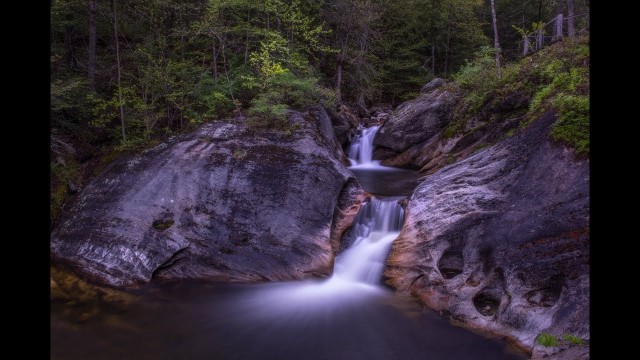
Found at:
<point>357,270</point>
<point>377,225</point>
<point>361,151</point>
<point>356,276</point>
<point>348,316</point>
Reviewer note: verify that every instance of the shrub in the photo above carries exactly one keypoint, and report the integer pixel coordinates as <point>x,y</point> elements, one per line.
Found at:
<point>281,92</point>
<point>572,126</point>
<point>572,339</point>
<point>547,340</point>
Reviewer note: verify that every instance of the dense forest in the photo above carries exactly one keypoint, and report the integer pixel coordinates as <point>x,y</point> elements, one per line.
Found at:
<point>127,74</point>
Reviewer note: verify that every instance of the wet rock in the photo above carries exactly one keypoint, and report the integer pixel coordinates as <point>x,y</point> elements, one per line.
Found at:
<point>225,203</point>
<point>324,122</point>
<point>349,201</point>
<point>501,239</point>
<point>345,122</point>
<point>415,121</point>
<point>73,188</point>
<point>432,85</point>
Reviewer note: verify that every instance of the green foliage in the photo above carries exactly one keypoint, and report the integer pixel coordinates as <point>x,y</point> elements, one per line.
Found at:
<point>211,99</point>
<point>183,63</point>
<point>63,170</point>
<point>547,340</point>
<point>280,92</point>
<point>556,78</point>
<point>475,80</point>
<point>480,73</point>
<point>572,339</point>
<point>572,126</point>
<point>565,87</point>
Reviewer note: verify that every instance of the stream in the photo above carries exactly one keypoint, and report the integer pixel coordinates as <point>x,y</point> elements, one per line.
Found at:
<point>349,315</point>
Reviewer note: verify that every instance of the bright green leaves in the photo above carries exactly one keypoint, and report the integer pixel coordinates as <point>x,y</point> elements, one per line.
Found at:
<point>572,126</point>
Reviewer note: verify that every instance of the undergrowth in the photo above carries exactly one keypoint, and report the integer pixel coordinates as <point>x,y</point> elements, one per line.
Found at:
<point>554,79</point>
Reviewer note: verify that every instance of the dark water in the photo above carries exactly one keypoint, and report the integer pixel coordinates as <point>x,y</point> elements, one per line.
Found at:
<point>270,321</point>
<point>345,317</point>
<point>386,181</point>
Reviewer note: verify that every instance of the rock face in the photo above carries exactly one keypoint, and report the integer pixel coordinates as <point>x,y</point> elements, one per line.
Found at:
<point>430,149</point>
<point>432,85</point>
<point>414,121</point>
<point>500,240</point>
<point>345,122</point>
<point>224,203</point>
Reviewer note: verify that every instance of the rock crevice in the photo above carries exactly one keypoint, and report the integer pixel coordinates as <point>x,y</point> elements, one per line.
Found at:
<point>500,239</point>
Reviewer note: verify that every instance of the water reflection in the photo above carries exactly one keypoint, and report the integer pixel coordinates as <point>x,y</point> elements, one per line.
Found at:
<point>386,181</point>
<point>310,320</point>
<point>348,316</point>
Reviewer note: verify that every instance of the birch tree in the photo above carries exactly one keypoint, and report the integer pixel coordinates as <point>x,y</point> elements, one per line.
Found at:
<point>495,38</point>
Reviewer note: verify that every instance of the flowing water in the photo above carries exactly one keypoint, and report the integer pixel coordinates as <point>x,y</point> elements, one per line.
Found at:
<point>348,316</point>
<point>361,150</point>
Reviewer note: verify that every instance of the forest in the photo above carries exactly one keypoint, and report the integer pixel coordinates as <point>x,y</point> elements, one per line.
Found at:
<point>320,179</point>
<point>127,74</point>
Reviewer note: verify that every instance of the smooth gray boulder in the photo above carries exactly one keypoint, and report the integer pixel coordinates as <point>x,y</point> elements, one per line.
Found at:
<point>224,203</point>
<point>432,85</point>
<point>414,122</point>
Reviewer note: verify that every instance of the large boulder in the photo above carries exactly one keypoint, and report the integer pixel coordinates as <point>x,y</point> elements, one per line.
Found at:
<point>439,145</point>
<point>225,202</point>
<point>328,132</point>
<point>415,121</point>
<point>432,85</point>
<point>345,123</point>
<point>500,240</point>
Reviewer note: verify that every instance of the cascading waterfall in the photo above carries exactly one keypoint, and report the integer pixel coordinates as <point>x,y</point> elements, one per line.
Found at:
<point>348,316</point>
<point>378,223</point>
<point>358,269</point>
<point>376,226</point>
<point>361,151</point>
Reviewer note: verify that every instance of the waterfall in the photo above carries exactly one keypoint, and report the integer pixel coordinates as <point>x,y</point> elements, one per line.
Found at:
<point>356,275</point>
<point>361,151</point>
<point>358,269</point>
<point>376,227</point>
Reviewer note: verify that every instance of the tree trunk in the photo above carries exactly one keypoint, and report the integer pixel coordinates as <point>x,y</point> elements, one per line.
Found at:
<point>91,62</point>
<point>115,34</point>
<point>446,50</point>
<point>68,42</point>
<point>339,82</point>
<point>433,58</point>
<point>539,9</point>
<point>571,19</point>
<point>495,36</point>
<point>214,63</point>
<point>246,43</point>
<point>226,75</point>
<point>558,31</point>
<point>362,105</point>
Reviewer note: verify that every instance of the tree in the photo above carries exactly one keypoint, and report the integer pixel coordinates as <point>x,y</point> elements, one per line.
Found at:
<point>117,43</point>
<point>495,37</point>
<point>571,19</point>
<point>91,62</point>
<point>353,33</point>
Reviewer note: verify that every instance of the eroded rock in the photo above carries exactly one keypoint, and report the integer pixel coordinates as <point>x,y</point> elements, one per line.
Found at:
<point>414,121</point>
<point>225,203</point>
<point>501,239</point>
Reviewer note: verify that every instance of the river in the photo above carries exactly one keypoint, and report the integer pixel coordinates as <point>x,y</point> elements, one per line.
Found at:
<point>349,315</point>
